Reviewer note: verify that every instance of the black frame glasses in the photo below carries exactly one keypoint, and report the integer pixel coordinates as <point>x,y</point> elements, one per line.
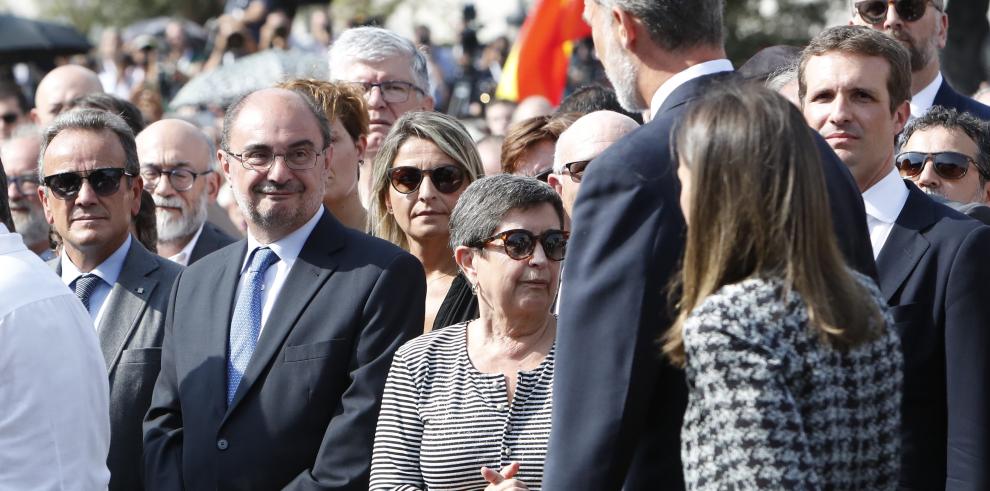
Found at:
<point>180,178</point>
<point>105,182</point>
<point>261,160</point>
<point>544,175</point>
<point>447,178</point>
<point>874,12</point>
<point>576,169</point>
<point>520,243</point>
<point>20,181</point>
<point>948,165</point>
<point>393,91</point>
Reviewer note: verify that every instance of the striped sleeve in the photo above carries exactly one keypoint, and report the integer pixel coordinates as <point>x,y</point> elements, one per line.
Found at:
<point>395,461</point>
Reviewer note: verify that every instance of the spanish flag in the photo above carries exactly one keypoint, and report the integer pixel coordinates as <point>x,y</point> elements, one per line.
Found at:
<point>537,64</point>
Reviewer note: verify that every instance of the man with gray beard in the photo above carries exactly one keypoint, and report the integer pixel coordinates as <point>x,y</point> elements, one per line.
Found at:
<point>179,170</point>
<point>20,159</point>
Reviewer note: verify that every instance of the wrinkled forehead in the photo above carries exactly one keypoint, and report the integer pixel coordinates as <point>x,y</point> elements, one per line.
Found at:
<point>275,124</point>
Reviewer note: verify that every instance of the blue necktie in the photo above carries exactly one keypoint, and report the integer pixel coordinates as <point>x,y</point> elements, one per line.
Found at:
<point>85,285</point>
<point>246,323</point>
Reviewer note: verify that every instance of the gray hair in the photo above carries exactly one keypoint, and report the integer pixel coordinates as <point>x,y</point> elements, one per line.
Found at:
<point>951,119</point>
<point>486,201</point>
<point>374,44</point>
<point>95,120</point>
<point>781,77</point>
<point>444,131</point>
<point>230,117</point>
<point>677,24</point>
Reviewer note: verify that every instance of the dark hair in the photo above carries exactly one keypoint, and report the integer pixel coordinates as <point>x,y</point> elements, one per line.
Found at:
<point>862,41</point>
<point>590,98</point>
<point>676,24</point>
<point>10,90</point>
<point>106,102</point>
<point>528,133</point>
<point>5,217</point>
<point>145,226</point>
<point>951,119</point>
<point>92,120</point>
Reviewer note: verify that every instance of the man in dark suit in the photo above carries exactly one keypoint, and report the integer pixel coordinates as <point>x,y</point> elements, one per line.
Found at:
<point>618,405</point>
<point>123,286</point>
<point>277,347</point>
<point>923,31</point>
<point>854,87</point>
<point>179,169</point>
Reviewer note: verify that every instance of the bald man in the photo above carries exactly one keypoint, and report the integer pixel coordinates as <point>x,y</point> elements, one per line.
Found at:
<point>60,86</point>
<point>179,170</point>
<point>584,140</point>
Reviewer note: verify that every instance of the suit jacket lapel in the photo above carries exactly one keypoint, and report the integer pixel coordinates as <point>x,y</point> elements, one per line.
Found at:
<point>906,244</point>
<point>310,271</point>
<point>127,299</point>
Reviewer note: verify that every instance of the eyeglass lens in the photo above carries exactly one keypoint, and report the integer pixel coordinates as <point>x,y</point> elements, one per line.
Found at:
<point>446,178</point>
<point>948,165</point>
<point>24,184</point>
<point>520,244</point>
<point>576,169</point>
<point>180,179</point>
<point>67,184</point>
<point>9,118</point>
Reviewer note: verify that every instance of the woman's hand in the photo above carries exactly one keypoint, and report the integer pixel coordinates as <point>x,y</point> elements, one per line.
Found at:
<point>503,480</point>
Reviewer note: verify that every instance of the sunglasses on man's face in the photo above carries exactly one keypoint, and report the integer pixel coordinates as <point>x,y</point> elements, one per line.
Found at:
<point>948,165</point>
<point>446,178</point>
<point>9,118</point>
<point>520,244</point>
<point>874,12</point>
<point>104,182</point>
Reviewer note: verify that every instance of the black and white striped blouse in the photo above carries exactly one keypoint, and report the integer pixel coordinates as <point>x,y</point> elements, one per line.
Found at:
<point>442,420</point>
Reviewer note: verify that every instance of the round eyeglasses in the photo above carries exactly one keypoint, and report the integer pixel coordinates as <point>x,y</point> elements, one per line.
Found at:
<point>181,179</point>
<point>261,160</point>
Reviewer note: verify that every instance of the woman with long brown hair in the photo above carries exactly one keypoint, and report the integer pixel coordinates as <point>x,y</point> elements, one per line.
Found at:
<point>794,373</point>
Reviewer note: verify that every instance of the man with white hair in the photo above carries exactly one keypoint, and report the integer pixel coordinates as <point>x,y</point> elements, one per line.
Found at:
<point>20,160</point>
<point>179,170</point>
<point>578,145</point>
<point>380,59</point>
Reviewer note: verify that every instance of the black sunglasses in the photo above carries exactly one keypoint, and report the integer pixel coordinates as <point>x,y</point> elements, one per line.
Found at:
<point>103,181</point>
<point>519,243</point>
<point>875,11</point>
<point>446,178</point>
<point>9,118</point>
<point>576,169</point>
<point>544,175</point>
<point>948,165</point>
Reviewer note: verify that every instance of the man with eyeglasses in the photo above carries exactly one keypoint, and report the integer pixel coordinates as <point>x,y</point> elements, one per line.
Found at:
<point>277,346</point>
<point>394,77</point>
<point>60,86</point>
<point>854,85</point>
<point>20,159</point>
<point>91,191</point>
<point>179,169</point>
<point>921,26</point>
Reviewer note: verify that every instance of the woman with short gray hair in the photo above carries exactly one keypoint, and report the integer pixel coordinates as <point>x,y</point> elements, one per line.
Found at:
<point>469,405</point>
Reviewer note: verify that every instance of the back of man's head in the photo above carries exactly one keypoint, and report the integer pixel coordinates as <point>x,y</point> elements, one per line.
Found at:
<point>590,135</point>
<point>374,44</point>
<point>676,24</point>
<point>590,98</point>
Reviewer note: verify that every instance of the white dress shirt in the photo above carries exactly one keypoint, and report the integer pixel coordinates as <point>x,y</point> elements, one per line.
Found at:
<point>54,391</point>
<point>183,256</point>
<point>922,101</point>
<point>108,271</point>
<point>682,77</point>
<point>884,202</point>
<point>287,249</point>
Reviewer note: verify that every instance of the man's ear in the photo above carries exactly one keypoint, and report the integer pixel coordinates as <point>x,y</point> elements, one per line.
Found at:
<point>554,181</point>
<point>43,196</point>
<point>901,116</point>
<point>137,187</point>
<point>213,182</point>
<point>34,116</point>
<point>626,27</point>
<point>943,33</point>
<point>427,103</point>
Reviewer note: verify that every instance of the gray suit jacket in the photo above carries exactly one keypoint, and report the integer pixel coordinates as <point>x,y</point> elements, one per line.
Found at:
<point>130,333</point>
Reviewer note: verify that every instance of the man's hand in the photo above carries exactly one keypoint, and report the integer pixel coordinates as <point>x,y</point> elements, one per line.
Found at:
<point>503,480</point>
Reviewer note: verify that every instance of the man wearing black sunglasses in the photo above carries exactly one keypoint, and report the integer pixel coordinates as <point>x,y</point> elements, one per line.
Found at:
<point>91,192</point>
<point>932,263</point>
<point>13,108</point>
<point>921,26</point>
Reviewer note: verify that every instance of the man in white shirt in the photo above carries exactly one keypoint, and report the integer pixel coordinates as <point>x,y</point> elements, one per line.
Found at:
<point>91,190</point>
<point>179,169</point>
<point>854,85</point>
<point>54,425</point>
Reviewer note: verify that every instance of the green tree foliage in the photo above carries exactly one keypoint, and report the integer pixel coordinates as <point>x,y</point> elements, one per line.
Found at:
<point>86,15</point>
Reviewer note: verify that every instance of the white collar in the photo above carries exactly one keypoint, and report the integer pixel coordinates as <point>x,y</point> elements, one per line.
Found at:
<point>924,99</point>
<point>10,242</point>
<point>885,199</point>
<point>108,270</point>
<point>183,256</point>
<point>287,248</point>
<point>680,78</point>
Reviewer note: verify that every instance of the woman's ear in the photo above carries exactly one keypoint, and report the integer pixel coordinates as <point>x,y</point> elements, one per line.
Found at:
<point>465,256</point>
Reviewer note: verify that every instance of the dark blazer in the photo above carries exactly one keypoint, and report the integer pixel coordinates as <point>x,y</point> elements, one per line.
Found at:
<point>304,414</point>
<point>933,272</point>
<point>211,239</point>
<point>130,335</point>
<point>948,97</point>
<point>618,406</point>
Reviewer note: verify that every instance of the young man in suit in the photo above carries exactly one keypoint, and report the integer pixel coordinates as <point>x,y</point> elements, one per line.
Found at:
<point>277,348</point>
<point>618,405</point>
<point>921,26</point>
<point>854,85</point>
<point>179,169</point>
<point>91,191</point>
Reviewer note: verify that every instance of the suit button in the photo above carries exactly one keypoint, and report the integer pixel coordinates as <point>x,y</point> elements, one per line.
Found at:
<point>222,444</point>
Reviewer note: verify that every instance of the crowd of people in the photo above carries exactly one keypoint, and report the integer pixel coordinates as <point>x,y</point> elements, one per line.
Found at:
<point>691,278</point>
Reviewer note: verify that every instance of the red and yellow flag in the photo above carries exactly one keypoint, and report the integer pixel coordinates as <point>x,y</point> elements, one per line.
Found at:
<point>537,64</point>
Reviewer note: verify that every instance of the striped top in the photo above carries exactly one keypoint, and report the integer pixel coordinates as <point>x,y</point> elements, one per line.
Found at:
<point>442,420</point>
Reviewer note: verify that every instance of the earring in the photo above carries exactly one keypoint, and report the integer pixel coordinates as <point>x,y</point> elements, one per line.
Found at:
<point>474,289</point>
<point>360,162</point>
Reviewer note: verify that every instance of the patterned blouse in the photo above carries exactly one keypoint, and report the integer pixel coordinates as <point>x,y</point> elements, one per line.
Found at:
<point>773,407</point>
<point>442,420</point>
